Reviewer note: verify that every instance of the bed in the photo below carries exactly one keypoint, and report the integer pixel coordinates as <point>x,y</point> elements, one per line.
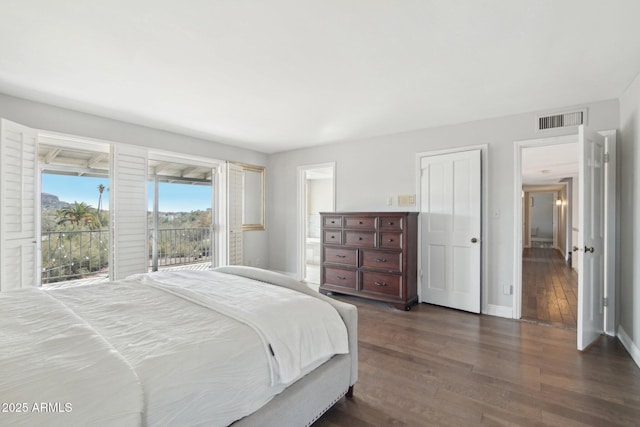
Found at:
<point>234,345</point>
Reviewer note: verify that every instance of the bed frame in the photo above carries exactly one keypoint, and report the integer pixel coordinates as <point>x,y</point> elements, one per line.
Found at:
<point>307,399</point>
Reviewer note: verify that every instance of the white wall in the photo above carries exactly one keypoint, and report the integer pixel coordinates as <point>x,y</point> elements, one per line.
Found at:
<point>542,216</point>
<point>370,170</point>
<point>50,118</point>
<point>629,202</point>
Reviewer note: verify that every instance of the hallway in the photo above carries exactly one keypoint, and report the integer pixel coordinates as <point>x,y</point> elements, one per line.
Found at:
<point>549,288</point>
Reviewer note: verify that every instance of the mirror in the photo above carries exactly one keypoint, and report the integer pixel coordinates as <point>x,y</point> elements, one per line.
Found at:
<point>253,197</point>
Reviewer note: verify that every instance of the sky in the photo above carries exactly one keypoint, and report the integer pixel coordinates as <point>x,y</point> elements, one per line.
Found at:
<point>173,197</point>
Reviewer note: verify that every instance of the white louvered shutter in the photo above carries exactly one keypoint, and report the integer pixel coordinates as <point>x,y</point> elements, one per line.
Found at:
<point>235,197</point>
<point>130,246</point>
<point>18,206</point>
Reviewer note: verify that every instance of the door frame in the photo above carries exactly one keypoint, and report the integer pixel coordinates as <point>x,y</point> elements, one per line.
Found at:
<point>485,307</point>
<point>302,210</point>
<point>518,213</point>
<point>610,218</point>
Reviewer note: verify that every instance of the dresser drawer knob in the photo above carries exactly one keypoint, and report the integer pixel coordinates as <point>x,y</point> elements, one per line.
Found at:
<point>341,256</point>
<point>359,238</point>
<point>380,283</point>
<point>381,259</point>
<point>359,222</point>
<point>333,237</point>
<point>390,222</point>
<point>341,277</point>
<point>390,240</point>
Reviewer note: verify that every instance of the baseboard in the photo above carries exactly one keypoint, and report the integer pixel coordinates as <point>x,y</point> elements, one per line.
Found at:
<point>499,310</point>
<point>628,343</point>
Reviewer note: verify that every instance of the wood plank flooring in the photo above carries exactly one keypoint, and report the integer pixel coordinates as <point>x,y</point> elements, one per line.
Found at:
<point>549,288</point>
<point>433,366</point>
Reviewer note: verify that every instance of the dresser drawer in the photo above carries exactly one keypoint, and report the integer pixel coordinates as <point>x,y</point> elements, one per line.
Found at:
<point>381,283</point>
<point>332,221</point>
<point>332,237</point>
<point>390,261</point>
<point>360,238</point>
<point>340,256</point>
<point>390,223</point>
<point>360,222</point>
<point>340,277</point>
<point>390,240</point>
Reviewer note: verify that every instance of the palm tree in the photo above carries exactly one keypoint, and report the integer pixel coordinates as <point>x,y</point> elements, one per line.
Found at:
<point>100,190</point>
<point>78,213</point>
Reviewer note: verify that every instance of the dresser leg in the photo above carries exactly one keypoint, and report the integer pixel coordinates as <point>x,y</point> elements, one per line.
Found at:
<point>349,394</point>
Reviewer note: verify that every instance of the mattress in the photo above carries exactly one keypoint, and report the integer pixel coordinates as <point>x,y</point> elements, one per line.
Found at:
<point>167,348</point>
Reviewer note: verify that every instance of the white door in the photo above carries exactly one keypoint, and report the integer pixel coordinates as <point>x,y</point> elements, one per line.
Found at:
<point>19,205</point>
<point>450,217</point>
<point>591,220</point>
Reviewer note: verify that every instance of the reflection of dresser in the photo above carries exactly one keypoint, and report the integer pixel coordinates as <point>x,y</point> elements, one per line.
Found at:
<point>371,255</point>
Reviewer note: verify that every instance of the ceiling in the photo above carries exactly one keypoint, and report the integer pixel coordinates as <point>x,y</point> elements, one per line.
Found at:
<point>283,74</point>
<point>548,164</point>
<point>56,159</point>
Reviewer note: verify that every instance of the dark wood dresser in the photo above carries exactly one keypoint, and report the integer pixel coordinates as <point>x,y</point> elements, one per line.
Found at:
<point>372,255</point>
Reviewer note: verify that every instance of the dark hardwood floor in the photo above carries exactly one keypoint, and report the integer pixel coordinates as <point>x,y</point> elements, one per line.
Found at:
<point>433,366</point>
<point>549,288</point>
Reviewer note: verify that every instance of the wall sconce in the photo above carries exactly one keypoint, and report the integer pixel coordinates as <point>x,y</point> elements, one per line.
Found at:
<point>559,202</point>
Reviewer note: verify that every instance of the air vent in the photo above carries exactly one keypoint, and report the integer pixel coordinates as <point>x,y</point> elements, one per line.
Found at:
<point>562,120</point>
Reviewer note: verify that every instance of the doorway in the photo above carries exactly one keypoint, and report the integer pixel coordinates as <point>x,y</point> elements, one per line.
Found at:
<point>595,210</point>
<point>74,210</point>
<point>316,187</point>
<point>549,286</point>
<point>180,214</point>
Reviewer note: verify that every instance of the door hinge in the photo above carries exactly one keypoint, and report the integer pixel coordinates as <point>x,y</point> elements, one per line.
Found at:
<point>605,302</point>
<point>606,157</point>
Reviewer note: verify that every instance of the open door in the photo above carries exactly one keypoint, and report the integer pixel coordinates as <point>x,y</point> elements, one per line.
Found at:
<point>591,243</point>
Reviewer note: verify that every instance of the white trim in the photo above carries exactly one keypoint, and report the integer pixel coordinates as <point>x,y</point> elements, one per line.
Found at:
<point>629,345</point>
<point>301,210</point>
<point>499,310</point>
<point>517,217</point>
<point>74,142</point>
<point>610,241</point>
<point>484,239</point>
<point>173,157</point>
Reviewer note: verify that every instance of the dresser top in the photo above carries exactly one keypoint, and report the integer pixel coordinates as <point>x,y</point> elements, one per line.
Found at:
<point>384,213</point>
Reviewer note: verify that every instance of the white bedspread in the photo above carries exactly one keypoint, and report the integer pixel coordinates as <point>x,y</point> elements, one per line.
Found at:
<point>297,331</point>
<point>57,371</point>
<point>197,361</point>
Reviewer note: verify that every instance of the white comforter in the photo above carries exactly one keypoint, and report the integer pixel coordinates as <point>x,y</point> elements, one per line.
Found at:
<point>55,370</point>
<point>172,338</point>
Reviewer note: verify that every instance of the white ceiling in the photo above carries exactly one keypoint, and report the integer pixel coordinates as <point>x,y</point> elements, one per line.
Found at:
<point>549,164</point>
<point>281,74</point>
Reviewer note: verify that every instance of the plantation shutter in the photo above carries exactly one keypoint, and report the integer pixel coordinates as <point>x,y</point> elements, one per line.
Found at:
<point>235,197</point>
<point>130,246</point>
<point>19,234</point>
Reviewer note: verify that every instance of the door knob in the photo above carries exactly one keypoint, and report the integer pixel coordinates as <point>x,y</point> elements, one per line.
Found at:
<point>576,249</point>
<point>474,240</point>
<point>589,249</point>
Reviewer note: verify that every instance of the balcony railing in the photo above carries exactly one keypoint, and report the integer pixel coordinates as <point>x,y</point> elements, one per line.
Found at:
<point>70,255</point>
<point>180,246</point>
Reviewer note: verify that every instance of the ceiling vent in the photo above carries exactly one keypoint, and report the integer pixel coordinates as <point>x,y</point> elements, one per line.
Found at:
<point>562,120</point>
